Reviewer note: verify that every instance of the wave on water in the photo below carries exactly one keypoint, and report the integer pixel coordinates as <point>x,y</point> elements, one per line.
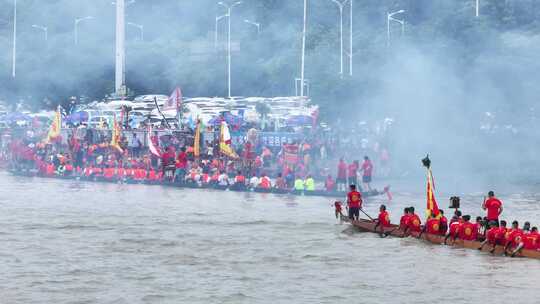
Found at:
<point>77,227</point>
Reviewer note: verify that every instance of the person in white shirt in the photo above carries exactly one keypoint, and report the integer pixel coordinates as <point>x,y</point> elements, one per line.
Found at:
<point>253,181</point>
<point>223,179</point>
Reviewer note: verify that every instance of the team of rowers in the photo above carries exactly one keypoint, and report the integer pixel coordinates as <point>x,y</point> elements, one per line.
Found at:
<point>196,175</point>
<point>490,231</point>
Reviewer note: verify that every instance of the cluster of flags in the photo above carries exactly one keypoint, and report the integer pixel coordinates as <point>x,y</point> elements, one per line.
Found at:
<point>174,102</point>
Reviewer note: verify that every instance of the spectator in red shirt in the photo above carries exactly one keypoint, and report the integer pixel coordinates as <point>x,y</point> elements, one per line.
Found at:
<point>493,206</point>
<point>329,183</point>
<point>367,169</point>
<point>352,169</point>
<point>181,166</point>
<point>341,180</point>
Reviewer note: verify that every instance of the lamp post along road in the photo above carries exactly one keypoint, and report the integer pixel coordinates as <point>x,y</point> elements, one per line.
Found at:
<point>140,27</point>
<point>302,69</point>
<point>216,32</point>
<point>256,24</point>
<point>389,17</point>
<point>477,8</point>
<point>76,27</point>
<point>14,58</point>
<point>350,37</point>
<point>43,28</point>
<point>340,6</point>
<point>229,11</point>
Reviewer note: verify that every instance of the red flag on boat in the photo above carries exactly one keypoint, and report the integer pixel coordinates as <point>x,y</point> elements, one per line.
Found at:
<point>175,100</point>
<point>432,207</point>
<point>151,145</point>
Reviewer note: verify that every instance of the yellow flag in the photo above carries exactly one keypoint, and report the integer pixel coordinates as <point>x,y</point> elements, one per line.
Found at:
<point>56,126</point>
<point>197,141</point>
<point>116,133</point>
<point>225,141</point>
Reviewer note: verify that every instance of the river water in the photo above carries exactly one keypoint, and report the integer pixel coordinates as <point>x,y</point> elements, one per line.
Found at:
<point>79,242</point>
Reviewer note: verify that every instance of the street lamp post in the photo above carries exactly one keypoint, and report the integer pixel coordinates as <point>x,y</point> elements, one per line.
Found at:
<point>43,28</point>
<point>477,8</point>
<point>140,27</point>
<point>76,25</point>
<point>340,6</point>
<point>350,38</point>
<point>302,69</point>
<point>14,59</point>
<point>216,32</point>
<point>229,11</point>
<point>389,17</point>
<point>256,24</point>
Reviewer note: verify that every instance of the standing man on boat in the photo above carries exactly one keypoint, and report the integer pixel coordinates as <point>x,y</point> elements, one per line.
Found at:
<point>493,206</point>
<point>354,201</point>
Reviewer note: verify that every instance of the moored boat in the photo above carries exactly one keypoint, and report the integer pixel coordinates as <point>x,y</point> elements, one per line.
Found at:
<point>335,194</point>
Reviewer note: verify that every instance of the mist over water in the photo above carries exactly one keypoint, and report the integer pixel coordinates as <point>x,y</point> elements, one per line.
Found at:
<point>458,87</point>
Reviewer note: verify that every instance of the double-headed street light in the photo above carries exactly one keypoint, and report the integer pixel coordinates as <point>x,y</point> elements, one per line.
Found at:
<point>256,24</point>
<point>43,28</point>
<point>340,6</point>
<point>140,27</point>
<point>14,54</point>
<point>229,8</point>
<point>76,26</point>
<point>216,32</point>
<point>390,17</point>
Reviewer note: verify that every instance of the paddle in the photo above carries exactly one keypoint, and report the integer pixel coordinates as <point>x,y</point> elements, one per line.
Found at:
<point>387,233</point>
<point>367,215</point>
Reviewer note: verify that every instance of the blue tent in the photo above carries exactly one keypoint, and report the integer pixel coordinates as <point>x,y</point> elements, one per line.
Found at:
<point>16,116</point>
<point>299,120</point>
<point>77,117</point>
<point>228,118</point>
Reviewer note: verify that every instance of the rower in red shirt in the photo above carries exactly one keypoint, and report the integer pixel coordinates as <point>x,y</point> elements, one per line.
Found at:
<point>415,224</point>
<point>491,235</point>
<point>453,228</point>
<point>493,206</point>
<point>383,220</point>
<point>513,237</point>
<point>531,241</point>
<point>338,208</point>
<point>354,201</point>
<point>432,225</point>
<point>467,231</point>
<point>404,221</point>
<point>443,223</point>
